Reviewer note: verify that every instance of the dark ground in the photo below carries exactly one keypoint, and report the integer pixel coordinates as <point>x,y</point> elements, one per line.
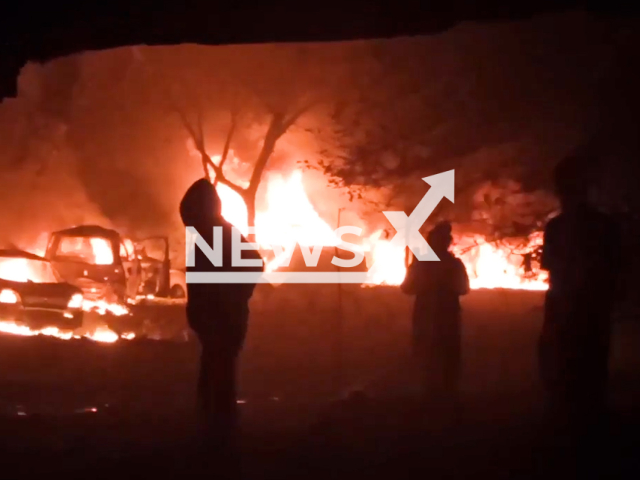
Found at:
<point>142,394</point>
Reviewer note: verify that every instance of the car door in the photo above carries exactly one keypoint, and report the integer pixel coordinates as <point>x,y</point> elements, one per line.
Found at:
<point>132,270</point>
<point>154,253</point>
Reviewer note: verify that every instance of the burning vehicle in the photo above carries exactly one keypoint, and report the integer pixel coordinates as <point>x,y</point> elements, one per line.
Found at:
<point>98,261</point>
<point>159,279</point>
<point>32,293</point>
<point>112,269</point>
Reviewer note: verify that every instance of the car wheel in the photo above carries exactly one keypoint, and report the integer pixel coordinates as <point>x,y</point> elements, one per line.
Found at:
<point>177,291</point>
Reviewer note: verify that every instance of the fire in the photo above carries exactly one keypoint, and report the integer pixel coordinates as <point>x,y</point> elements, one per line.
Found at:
<point>25,270</point>
<point>101,250</point>
<point>490,266</point>
<point>389,261</point>
<point>29,270</point>
<point>288,216</point>
<point>101,334</point>
<point>101,307</point>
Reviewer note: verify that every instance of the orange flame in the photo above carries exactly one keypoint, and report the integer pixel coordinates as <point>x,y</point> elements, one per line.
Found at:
<point>102,251</point>
<point>288,217</point>
<point>24,270</point>
<point>101,334</point>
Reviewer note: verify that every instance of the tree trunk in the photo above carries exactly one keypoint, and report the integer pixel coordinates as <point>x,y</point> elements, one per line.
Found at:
<point>277,127</point>
<point>274,132</point>
<point>250,202</point>
<point>205,168</point>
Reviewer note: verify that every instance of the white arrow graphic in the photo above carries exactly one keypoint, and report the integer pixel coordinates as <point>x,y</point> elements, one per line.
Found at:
<point>408,228</point>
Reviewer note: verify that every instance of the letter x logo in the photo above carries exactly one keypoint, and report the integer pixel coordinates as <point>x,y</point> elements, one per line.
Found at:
<point>408,228</point>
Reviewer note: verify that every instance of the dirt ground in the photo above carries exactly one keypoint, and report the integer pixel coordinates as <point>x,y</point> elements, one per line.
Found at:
<point>76,407</point>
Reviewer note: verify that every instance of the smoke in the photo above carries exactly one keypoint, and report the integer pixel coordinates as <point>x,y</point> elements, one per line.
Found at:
<point>100,137</point>
<point>41,198</point>
<point>41,190</point>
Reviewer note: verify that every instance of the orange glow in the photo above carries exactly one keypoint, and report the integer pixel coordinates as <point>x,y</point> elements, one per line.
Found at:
<point>490,266</point>
<point>288,216</point>
<point>94,250</point>
<point>102,251</point>
<point>16,269</point>
<point>23,270</point>
<point>9,296</point>
<point>101,334</point>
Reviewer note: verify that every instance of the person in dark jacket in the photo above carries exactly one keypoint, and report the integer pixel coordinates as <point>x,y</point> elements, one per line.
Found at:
<point>437,320</point>
<point>218,313</point>
<point>582,253</point>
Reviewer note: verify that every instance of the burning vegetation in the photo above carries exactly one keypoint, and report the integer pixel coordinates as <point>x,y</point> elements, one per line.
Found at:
<point>289,218</point>
<point>286,218</point>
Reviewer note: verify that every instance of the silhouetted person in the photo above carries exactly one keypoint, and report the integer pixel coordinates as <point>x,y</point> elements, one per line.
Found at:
<point>217,313</point>
<point>437,321</point>
<point>582,253</point>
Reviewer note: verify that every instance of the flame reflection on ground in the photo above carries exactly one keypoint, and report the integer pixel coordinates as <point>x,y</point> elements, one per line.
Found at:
<point>101,334</point>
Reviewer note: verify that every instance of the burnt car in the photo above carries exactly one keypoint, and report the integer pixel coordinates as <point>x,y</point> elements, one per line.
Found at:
<point>159,279</point>
<point>154,258</point>
<point>97,260</point>
<point>33,293</point>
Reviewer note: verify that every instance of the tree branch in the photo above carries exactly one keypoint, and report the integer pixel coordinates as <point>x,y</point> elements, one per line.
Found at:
<point>189,128</point>
<point>198,140</point>
<point>227,143</point>
<point>277,127</point>
<point>200,129</point>
<point>221,178</point>
<point>297,114</point>
<point>274,132</point>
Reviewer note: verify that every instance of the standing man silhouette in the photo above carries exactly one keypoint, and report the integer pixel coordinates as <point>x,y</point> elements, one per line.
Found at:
<point>437,316</point>
<point>582,253</point>
<point>218,314</point>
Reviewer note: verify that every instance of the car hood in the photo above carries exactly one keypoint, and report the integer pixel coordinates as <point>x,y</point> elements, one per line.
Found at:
<point>43,294</point>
